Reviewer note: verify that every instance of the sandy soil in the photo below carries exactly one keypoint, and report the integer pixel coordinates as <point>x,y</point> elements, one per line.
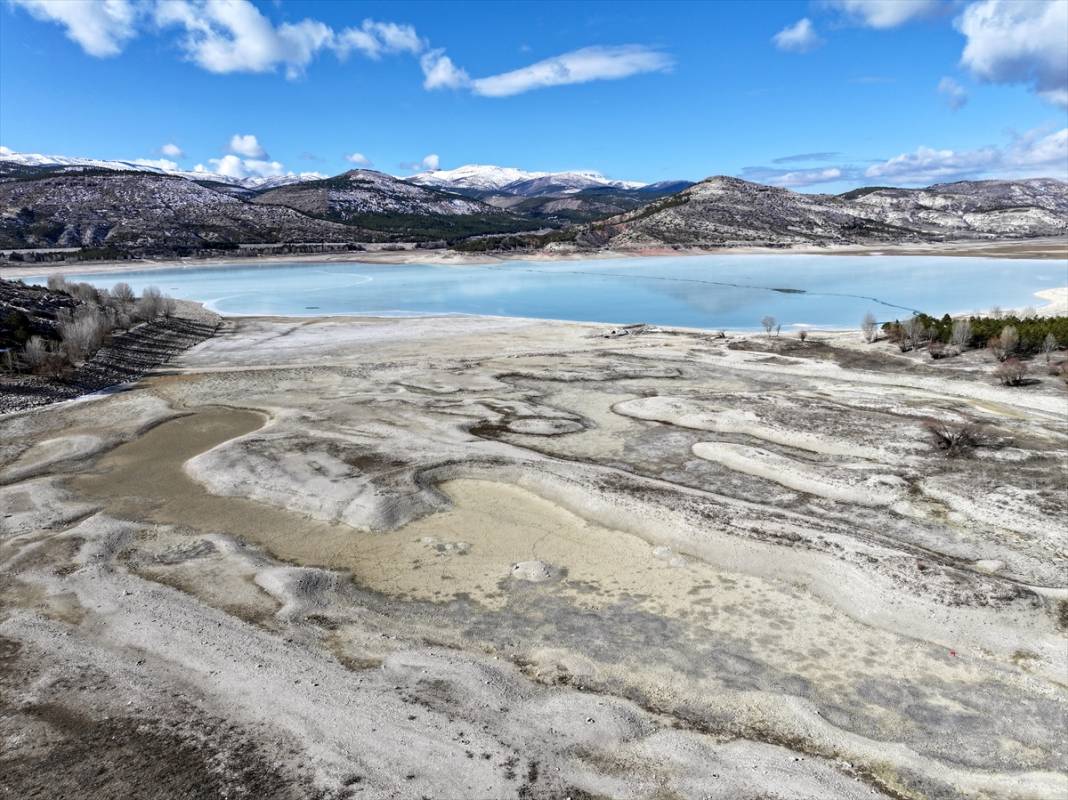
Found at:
<point>491,558</point>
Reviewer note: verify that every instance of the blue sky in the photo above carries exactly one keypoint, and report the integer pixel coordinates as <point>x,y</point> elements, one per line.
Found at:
<point>817,96</point>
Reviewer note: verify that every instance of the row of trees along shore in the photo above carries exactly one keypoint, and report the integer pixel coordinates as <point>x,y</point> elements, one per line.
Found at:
<point>85,328</point>
<point>1008,338</point>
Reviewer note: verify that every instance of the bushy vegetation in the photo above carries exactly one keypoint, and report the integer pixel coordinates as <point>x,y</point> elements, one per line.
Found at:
<point>1028,336</point>
<point>516,241</point>
<point>79,331</point>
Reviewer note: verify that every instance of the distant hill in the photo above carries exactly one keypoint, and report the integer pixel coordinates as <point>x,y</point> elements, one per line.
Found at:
<point>129,209</point>
<point>725,211</point>
<point>374,200</point>
<point>141,212</point>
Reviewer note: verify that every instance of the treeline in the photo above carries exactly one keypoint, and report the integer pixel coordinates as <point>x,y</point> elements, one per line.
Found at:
<point>514,241</point>
<point>1033,333</point>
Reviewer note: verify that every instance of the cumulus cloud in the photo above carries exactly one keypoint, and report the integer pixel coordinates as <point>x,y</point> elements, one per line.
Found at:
<point>231,166</point>
<point>247,145</point>
<point>235,36</point>
<point>1015,42</point>
<point>6,151</point>
<point>100,27</point>
<point>172,150</point>
<point>429,162</point>
<point>884,13</point>
<point>578,66</point>
<point>359,159</point>
<point>800,37</point>
<point>953,93</point>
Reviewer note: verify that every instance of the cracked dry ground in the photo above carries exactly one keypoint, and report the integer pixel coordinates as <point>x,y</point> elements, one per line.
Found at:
<point>485,558</point>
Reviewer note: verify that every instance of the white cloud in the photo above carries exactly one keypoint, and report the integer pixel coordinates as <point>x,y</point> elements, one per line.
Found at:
<point>172,150</point>
<point>227,36</point>
<point>440,73</point>
<point>807,177</point>
<point>6,151</point>
<point>233,36</point>
<point>1019,42</point>
<point>247,145</point>
<point>884,13</point>
<point>579,66</point>
<point>359,159</point>
<point>374,39</point>
<point>792,179</point>
<point>1035,153</point>
<point>955,95</point>
<point>233,167</point>
<point>159,163</point>
<point>800,37</point>
<point>100,27</point>
<point>431,161</point>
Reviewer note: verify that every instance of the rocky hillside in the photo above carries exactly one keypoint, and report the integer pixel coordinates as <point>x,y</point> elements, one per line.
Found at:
<point>378,201</point>
<point>143,213</point>
<point>724,211</point>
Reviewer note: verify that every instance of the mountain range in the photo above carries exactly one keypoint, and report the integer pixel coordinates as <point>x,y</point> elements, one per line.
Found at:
<point>139,209</point>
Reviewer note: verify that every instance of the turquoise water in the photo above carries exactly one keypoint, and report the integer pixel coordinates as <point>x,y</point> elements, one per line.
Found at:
<point>715,291</point>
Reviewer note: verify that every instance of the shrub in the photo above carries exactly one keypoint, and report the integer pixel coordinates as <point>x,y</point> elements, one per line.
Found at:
<point>35,353</point>
<point>1011,372</point>
<point>956,440</point>
<point>57,283</point>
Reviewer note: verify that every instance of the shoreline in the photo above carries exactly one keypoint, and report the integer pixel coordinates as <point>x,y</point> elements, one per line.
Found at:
<point>1051,248</point>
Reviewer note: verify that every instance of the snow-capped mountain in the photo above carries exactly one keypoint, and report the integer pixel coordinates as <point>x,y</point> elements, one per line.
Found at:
<point>71,164</point>
<point>510,180</point>
<point>473,176</point>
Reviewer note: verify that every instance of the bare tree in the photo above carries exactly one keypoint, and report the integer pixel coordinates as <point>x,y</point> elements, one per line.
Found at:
<point>1010,340</point>
<point>1028,313</point>
<point>1049,344</point>
<point>123,293</point>
<point>802,334</point>
<point>962,333</point>
<point>83,332</point>
<point>769,323</point>
<point>996,312</point>
<point>85,292</point>
<point>913,333</point>
<point>867,327</point>
<point>1011,372</point>
<point>167,306</point>
<point>57,283</point>
<point>150,305</point>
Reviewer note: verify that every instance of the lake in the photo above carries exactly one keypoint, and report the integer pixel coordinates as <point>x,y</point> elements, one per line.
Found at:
<point>712,291</point>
